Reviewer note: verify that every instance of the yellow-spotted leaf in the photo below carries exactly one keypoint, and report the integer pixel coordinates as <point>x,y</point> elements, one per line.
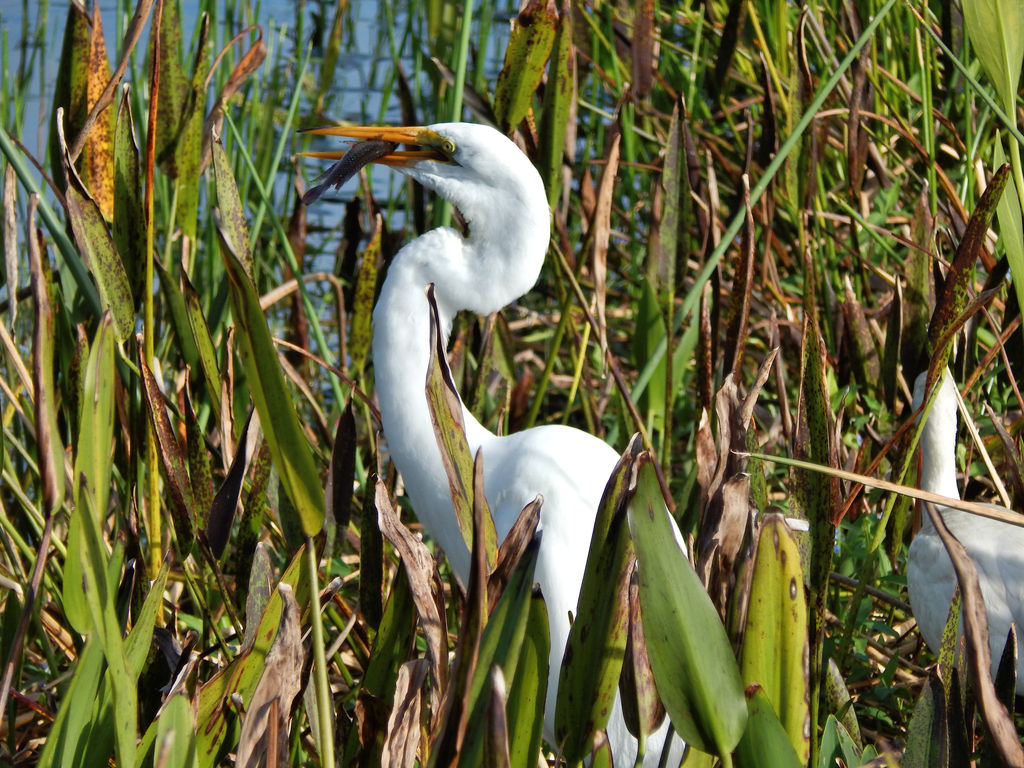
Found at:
<point>774,653</point>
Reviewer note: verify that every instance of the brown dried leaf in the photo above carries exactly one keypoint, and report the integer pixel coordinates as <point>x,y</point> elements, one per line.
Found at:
<point>10,237</point>
<point>51,452</point>
<point>644,42</point>
<point>601,232</point>
<point>424,580</point>
<point>512,548</point>
<point>642,708</point>
<point>264,737</point>
<point>402,739</point>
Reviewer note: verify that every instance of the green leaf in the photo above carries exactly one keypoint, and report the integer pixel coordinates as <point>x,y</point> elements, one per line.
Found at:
<point>189,149</point>
<point>70,728</point>
<point>203,343</point>
<point>533,34</point>
<point>691,657</point>
<point>837,744</point>
<point>446,415</point>
<point>362,301</point>
<point>97,248</point>
<point>48,439</point>
<point>1008,213</point>
<point>92,466</point>
<point>175,743</point>
<point>774,653</point>
<point>231,215</point>
<point>588,679</point>
<point>172,458</point>
<point>174,87</point>
<point>927,737</point>
<point>524,707</point>
<point>281,427</point>
<point>136,645</point>
<point>128,224</point>
<point>951,302</point>
<point>500,646</point>
<point>996,31</point>
<point>557,106</point>
<point>765,741</point>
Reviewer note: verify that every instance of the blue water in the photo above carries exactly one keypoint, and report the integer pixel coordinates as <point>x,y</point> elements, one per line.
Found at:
<point>32,33</point>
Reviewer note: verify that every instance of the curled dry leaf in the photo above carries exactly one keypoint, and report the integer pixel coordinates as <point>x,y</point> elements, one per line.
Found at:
<point>512,548</point>
<point>403,735</point>
<point>265,725</point>
<point>424,580</point>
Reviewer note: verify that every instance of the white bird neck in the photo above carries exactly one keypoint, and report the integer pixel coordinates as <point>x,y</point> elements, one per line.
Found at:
<point>938,442</point>
<point>466,276</point>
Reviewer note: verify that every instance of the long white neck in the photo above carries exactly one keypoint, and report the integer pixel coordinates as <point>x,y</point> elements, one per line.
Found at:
<point>482,273</point>
<point>938,442</point>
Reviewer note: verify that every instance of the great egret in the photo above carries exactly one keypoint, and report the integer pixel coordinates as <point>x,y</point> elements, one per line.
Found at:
<point>997,548</point>
<point>502,199</point>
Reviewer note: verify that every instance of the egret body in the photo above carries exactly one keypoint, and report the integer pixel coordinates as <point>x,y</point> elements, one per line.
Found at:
<point>502,199</point>
<point>995,547</point>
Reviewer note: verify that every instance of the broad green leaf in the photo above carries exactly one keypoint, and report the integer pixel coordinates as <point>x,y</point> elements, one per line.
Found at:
<point>199,474</point>
<point>524,706</point>
<point>927,738</point>
<point>92,466</point>
<point>70,729</point>
<point>650,331</point>
<point>996,31</point>
<point>449,428</point>
<point>693,663</point>
<point>175,743</point>
<point>71,86</point>
<point>136,645</point>
<point>500,646</point>
<point>837,745</point>
<point>951,302</point>
<point>179,316</point>
<point>533,34</point>
<point>284,434</point>
<point>1008,212</point>
<point>765,742</point>
<point>588,679</point>
<point>97,248</point>
<point>774,652</point>
<point>813,493</point>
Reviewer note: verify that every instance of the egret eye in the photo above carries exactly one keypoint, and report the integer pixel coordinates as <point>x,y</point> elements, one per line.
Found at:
<point>448,147</point>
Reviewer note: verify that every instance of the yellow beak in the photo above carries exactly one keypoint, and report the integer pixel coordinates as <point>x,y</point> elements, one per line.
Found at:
<point>434,147</point>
